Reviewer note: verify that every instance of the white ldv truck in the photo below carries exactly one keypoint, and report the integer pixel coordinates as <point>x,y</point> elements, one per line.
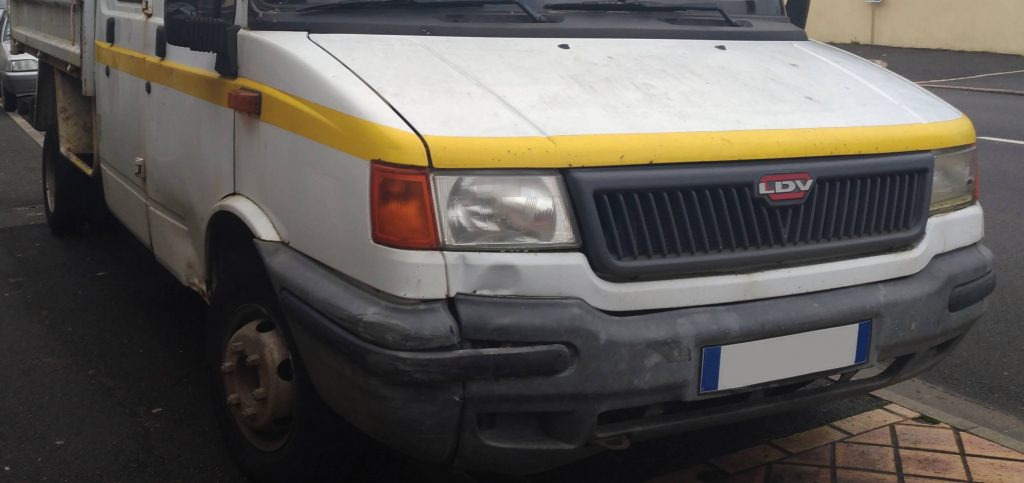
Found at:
<point>508,234</point>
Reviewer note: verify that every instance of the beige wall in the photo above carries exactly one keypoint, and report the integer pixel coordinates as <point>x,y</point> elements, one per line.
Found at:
<point>978,25</point>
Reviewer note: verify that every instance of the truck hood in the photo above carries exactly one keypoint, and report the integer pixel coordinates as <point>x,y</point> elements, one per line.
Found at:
<point>585,102</point>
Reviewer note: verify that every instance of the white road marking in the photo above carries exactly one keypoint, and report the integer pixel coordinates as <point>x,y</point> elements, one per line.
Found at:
<point>974,89</point>
<point>981,76</point>
<point>25,126</point>
<point>1001,140</point>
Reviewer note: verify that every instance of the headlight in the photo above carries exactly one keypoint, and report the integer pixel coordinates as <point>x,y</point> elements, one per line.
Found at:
<point>503,211</point>
<point>955,181</point>
<point>21,65</point>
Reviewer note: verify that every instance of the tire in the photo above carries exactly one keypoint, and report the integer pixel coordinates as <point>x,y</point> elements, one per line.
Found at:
<point>97,213</point>
<point>10,100</point>
<point>63,187</point>
<point>310,443</point>
<point>26,105</point>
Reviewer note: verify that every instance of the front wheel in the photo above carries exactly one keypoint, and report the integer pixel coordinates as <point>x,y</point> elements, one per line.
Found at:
<point>275,424</point>
<point>62,188</point>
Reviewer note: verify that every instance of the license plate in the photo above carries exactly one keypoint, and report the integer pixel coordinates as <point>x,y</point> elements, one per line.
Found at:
<point>748,363</point>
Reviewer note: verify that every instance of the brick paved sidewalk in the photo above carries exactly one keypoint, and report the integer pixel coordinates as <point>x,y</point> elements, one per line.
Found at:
<point>893,444</point>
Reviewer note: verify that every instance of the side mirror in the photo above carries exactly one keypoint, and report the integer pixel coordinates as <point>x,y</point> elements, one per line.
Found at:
<point>205,34</point>
<point>797,11</point>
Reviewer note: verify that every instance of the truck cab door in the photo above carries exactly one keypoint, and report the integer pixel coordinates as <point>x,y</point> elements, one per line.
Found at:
<point>122,112</point>
<point>190,156</point>
<point>168,147</point>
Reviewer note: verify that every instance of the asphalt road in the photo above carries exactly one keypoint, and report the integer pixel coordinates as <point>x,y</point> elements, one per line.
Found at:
<point>101,377</point>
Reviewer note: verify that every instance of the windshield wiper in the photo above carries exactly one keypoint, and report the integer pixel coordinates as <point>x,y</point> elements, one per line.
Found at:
<point>636,6</point>
<point>343,4</point>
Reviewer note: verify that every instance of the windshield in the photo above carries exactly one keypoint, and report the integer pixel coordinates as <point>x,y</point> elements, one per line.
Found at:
<point>7,26</point>
<point>626,19</point>
<point>732,7</point>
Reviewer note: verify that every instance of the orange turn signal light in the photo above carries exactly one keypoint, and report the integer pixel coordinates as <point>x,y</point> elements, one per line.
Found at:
<point>401,208</point>
<point>245,100</point>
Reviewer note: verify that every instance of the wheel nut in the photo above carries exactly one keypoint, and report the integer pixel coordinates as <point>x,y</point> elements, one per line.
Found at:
<point>259,394</point>
<point>237,347</point>
<point>233,399</point>
<point>227,367</point>
<point>253,360</point>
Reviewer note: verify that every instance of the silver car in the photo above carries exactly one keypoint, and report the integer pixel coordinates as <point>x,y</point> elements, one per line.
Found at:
<point>17,72</point>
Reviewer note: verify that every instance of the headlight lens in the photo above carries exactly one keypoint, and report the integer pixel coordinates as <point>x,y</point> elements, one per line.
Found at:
<point>22,65</point>
<point>955,181</point>
<point>503,211</point>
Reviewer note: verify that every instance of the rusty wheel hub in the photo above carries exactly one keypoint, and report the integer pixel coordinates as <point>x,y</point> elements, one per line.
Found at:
<point>258,381</point>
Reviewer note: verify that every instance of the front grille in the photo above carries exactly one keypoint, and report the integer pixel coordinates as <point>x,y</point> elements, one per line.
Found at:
<point>664,221</point>
<point>697,222</point>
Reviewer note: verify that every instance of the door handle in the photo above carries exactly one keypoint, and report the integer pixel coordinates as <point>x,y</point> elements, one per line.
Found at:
<point>161,42</point>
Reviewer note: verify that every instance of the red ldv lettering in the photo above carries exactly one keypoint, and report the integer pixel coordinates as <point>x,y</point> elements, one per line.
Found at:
<point>784,187</point>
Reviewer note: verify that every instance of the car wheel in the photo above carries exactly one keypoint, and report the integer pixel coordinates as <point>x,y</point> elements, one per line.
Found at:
<point>10,100</point>
<point>62,188</point>
<point>25,105</point>
<point>275,424</point>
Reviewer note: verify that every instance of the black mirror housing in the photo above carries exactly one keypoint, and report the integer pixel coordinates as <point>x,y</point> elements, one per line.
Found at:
<point>197,33</point>
<point>205,34</point>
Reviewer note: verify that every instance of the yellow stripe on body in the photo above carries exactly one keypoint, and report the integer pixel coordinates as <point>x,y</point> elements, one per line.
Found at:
<point>689,147</point>
<point>358,137</point>
<point>369,140</point>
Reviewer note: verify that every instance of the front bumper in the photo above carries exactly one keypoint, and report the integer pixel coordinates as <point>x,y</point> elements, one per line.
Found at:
<point>20,83</point>
<point>520,385</point>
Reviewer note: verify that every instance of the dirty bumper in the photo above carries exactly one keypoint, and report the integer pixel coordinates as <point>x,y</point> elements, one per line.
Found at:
<point>521,385</point>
